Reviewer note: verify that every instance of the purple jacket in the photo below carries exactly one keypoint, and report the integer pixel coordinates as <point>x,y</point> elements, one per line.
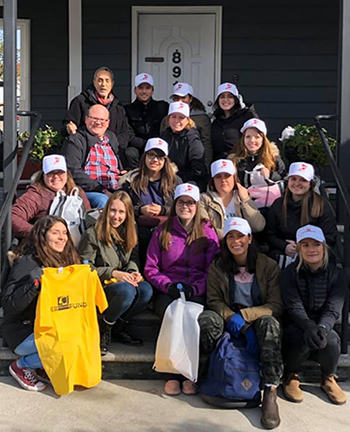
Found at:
<point>181,263</point>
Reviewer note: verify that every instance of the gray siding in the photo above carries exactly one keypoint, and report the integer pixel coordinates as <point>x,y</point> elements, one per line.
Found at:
<point>283,52</point>
<point>49,57</point>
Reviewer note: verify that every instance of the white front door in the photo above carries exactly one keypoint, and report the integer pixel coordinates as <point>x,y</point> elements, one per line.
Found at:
<point>176,47</point>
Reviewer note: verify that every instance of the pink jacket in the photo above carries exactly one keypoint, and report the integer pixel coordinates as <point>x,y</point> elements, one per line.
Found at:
<point>181,263</point>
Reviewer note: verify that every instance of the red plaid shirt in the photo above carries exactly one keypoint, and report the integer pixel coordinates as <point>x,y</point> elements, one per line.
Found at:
<point>102,164</point>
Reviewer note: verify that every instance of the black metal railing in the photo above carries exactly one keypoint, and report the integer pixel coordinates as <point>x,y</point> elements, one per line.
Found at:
<point>6,208</point>
<point>344,196</point>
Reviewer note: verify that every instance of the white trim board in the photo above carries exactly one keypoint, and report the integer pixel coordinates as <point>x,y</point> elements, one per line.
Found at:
<point>137,10</point>
<point>75,48</point>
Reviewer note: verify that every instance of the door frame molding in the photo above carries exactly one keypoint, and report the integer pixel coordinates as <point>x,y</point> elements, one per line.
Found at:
<point>176,10</point>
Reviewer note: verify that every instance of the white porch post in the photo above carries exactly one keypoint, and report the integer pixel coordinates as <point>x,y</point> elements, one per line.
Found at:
<point>344,91</point>
<point>75,49</point>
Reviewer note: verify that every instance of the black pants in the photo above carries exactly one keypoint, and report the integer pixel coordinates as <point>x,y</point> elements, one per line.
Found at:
<point>161,301</point>
<point>268,333</point>
<point>295,351</point>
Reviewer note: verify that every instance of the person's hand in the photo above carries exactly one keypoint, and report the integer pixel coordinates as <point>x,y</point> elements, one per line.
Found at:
<point>265,172</point>
<point>71,128</point>
<point>124,277</point>
<point>137,276</point>
<point>315,337</point>
<point>151,210</point>
<point>122,172</point>
<point>291,248</point>
<point>252,341</point>
<point>174,291</point>
<point>242,192</point>
<point>235,325</point>
<point>175,288</point>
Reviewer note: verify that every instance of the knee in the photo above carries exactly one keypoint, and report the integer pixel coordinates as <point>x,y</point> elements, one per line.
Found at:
<point>145,291</point>
<point>268,328</point>
<point>333,340</point>
<point>125,292</point>
<point>211,322</point>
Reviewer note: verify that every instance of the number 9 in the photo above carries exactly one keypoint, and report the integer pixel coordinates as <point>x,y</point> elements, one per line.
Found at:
<point>176,72</point>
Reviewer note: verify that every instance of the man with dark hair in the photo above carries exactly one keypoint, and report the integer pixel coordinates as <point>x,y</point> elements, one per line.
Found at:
<point>101,92</point>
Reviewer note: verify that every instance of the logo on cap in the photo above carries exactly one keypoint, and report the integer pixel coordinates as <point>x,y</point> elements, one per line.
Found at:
<point>309,230</point>
<point>56,160</point>
<point>255,121</point>
<point>234,223</point>
<point>302,167</point>
<point>160,142</point>
<point>179,86</point>
<point>223,164</point>
<point>145,76</point>
<point>181,105</point>
<point>188,188</point>
<point>228,85</point>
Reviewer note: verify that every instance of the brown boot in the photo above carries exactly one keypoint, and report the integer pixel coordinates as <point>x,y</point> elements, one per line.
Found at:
<point>270,418</point>
<point>335,394</point>
<point>291,388</point>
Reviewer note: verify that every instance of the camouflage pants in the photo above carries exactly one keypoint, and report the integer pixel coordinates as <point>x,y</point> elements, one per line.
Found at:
<point>268,332</point>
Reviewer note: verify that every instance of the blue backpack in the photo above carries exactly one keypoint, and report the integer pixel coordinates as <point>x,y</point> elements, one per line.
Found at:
<point>233,374</point>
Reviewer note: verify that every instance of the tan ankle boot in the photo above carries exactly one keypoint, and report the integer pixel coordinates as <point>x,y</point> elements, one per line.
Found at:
<point>270,418</point>
<point>291,388</point>
<point>334,392</point>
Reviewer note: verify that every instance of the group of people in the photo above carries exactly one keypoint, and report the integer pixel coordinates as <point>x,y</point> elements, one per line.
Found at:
<point>166,222</point>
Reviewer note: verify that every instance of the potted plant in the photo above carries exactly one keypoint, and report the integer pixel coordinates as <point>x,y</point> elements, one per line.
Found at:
<point>303,143</point>
<point>45,141</point>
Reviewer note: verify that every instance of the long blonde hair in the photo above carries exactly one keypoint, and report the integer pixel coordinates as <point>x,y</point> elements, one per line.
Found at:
<point>265,155</point>
<point>196,234</point>
<point>125,234</point>
<point>306,213</point>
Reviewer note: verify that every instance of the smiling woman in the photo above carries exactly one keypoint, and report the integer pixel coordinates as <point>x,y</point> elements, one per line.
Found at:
<point>36,201</point>
<point>111,246</point>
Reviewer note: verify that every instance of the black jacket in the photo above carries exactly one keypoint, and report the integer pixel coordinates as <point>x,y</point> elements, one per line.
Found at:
<point>187,152</point>
<point>313,297</point>
<point>118,122</point>
<point>251,161</point>
<point>225,132</point>
<point>145,119</point>
<point>277,233</point>
<point>19,300</point>
<point>76,149</point>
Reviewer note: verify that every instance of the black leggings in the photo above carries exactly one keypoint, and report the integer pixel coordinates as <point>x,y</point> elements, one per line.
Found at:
<point>295,351</point>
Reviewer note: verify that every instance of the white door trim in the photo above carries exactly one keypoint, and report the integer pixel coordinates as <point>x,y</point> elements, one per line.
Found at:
<point>136,10</point>
<point>75,49</point>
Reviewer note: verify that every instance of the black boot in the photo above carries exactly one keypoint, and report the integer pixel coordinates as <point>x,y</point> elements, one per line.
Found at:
<point>120,334</point>
<point>105,336</point>
<point>270,418</point>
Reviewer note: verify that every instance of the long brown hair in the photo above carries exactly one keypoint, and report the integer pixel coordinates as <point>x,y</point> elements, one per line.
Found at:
<point>39,180</point>
<point>196,234</point>
<point>310,197</point>
<point>167,179</point>
<point>125,234</point>
<point>36,244</point>
<point>265,155</point>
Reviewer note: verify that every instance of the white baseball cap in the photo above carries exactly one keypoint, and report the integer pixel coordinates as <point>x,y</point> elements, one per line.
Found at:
<point>255,123</point>
<point>310,231</point>
<point>144,78</point>
<point>54,162</point>
<point>227,87</point>
<point>158,144</point>
<point>237,224</point>
<point>187,189</point>
<point>222,166</point>
<point>182,89</point>
<point>179,107</point>
<point>302,169</point>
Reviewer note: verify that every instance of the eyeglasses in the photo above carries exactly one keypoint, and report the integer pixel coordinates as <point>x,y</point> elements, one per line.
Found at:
<point>188,204</point>
<point>153,155</point>
<point>95,119</point>
<point>54,173</point>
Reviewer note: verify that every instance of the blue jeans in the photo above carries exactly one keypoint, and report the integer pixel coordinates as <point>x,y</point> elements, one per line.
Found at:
<point>125,301</point>
<point>97,199</point>
<point>29,354</point>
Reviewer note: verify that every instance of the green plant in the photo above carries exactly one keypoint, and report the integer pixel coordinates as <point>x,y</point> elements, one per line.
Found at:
<point>307,146</point>
<point>45,140</point>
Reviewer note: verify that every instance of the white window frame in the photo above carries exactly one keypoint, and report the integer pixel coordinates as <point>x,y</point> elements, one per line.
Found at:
<point>137,10</point>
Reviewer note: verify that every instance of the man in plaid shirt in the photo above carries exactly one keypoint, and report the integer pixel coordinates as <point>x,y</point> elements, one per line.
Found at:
<point>92,156</point>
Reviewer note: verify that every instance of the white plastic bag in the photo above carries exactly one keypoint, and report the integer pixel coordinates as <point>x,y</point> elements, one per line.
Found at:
<point>177,348</point>
<point>71,209</point>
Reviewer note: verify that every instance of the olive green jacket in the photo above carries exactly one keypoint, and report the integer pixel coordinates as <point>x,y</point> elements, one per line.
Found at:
<point>268,279</point>
<point>212,210</point>
<point>106,258</point>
